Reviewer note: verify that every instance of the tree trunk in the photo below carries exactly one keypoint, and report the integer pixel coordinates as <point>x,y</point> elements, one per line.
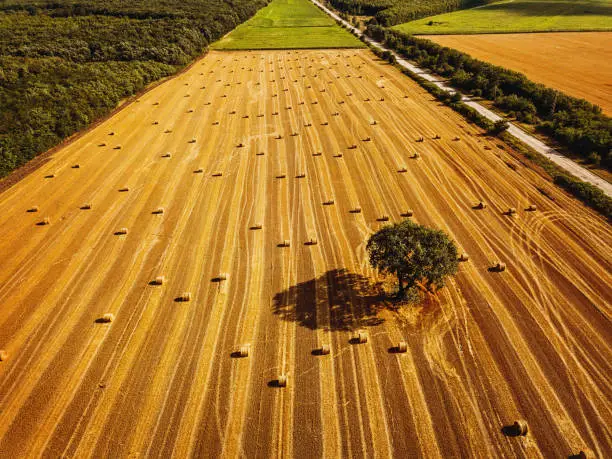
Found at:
<point>400,291</point>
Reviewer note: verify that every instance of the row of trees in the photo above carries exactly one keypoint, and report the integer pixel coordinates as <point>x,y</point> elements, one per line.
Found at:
<point>575,123</point>
<point>66,63</point>
<point>392,12</point>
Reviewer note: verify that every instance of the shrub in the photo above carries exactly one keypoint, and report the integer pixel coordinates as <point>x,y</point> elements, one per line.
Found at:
<point>499,126</point>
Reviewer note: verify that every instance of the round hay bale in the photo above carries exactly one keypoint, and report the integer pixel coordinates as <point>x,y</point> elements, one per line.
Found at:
<point>167,155</point>
<point>86,206</point>
<point>159,280</point>
<point>464,257</point>
<point>3,355</point>
<point>402,169</point>
<point>457,139</point>
<point>260,153</point>
<point>107,318</point>
<point>521,427</point>
<point>499,266</point>
<point>415,155</point>
<point>282,381</point>
<point>124,189</point>
<point>33,209</point>
<point>356,210</point>
<point>222,276</point>
<point>45,221</point>
<point>532,208</point>
<point>185,297</point>
<point>281,176</point>
<point>76,166</point>
<point>158,211</point>
<point>312,241</point>
<point>407,213</point>
<point>244,350</point>
<point>582,454</point>
<point>256,226</point>
<point>481,205</point>
<point>199,170</point>
<point>286,243</point>
<point>402,347</point>
<point>325,349</point>
<point>217,174</point>
<point>361,337</point>
<point>383,218</point>
<point>317,153</point>
<point>300,175</point>
<point>338,155</point>
<point>121,231</point>
<point>511,211</point>
<point>328,202</point>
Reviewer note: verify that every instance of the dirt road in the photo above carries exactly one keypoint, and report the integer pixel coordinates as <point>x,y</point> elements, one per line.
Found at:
<point>577,63</point>
<point>162,379</point>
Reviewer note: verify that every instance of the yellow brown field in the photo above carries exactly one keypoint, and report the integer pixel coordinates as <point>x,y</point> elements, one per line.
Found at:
<point>241,152</point>
<point>577,63</point>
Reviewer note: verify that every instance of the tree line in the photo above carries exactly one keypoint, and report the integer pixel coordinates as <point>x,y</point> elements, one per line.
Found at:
<point>576,124</point>
<point>391,12</point>
<point>66,63</point>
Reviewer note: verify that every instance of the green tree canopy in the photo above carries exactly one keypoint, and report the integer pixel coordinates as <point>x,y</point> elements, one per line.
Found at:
<point>413,253</point>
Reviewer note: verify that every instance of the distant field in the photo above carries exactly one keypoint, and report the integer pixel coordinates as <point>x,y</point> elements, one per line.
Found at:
<point>577,63</point>
<point>518,16</point>
<point>289,24</point>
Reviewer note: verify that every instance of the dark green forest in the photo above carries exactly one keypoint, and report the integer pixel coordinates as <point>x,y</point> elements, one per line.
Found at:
<point>391,12</point>
<point>66,63</point>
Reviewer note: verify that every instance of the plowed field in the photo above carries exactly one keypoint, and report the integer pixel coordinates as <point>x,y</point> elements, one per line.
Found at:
<point>163,378</point>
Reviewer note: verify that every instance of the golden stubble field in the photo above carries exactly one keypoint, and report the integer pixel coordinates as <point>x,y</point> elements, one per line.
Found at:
<point>530,343</point>
<point>577,63</point>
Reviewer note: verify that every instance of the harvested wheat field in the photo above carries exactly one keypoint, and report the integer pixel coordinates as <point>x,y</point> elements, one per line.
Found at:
<point>233,313</point>
<point>577,63</point>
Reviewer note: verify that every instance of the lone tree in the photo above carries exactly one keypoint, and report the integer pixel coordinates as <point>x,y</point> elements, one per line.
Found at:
<point>413,253</point>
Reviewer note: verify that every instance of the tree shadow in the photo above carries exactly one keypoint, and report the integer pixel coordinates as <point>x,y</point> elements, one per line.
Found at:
<point>345,300</point>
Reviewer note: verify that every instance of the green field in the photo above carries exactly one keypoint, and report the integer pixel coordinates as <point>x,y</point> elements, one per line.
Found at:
<point>288,24</point>
<point>518,16</point>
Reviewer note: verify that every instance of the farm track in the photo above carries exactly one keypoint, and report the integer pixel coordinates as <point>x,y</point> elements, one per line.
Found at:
<point>530,343</point>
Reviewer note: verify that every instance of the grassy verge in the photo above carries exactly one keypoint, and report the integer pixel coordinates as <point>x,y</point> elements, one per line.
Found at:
<point>518,16</point>
<point>285,24</point>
